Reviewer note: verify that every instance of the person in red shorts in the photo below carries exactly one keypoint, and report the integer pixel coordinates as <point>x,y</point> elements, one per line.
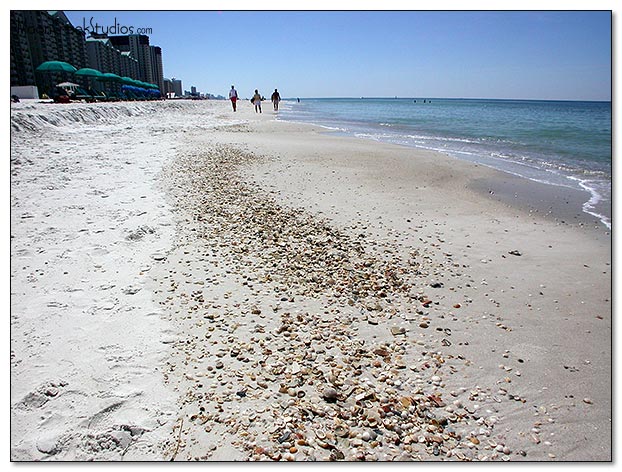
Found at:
<point>233,96</point>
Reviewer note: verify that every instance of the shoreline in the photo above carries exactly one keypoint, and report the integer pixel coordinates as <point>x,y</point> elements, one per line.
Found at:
<point>303,263</point>
<point>562,204</point>
<point>577,183</point>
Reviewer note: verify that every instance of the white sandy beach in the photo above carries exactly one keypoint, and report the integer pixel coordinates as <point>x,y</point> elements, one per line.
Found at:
<point>189,283</point>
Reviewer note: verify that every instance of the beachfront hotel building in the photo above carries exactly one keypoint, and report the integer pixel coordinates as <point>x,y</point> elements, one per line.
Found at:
<point>104,57</point>
<point>38,36</point>
<point>168,87</point>
<point>172,87</point>
<point>156,66</point>
<point>177,88</point>
<point>138,46</point>
<point>149,57</point>
<point>136,58</point>
<point>128,65</point>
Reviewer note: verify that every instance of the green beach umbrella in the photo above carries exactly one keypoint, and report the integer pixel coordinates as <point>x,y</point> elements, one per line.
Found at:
<point>110,77</point>
<point>50,68</point>
<point>86,72</point>
<point>127,81</point>
<point>56,66</point>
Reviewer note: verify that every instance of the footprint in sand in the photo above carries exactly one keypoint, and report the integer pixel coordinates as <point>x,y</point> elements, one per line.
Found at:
<point>42,395</point>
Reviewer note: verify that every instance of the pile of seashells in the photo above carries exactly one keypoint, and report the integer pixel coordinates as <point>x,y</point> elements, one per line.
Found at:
<point>329,368</point>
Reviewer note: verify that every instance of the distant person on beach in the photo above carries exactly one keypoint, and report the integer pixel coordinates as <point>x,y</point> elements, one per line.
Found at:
<point>276,98</point>
<point>298,100</point>
<point>233,96</point>
<point>256,100</point>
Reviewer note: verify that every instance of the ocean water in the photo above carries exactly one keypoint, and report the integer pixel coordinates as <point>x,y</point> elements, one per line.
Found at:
<point>562,143</point>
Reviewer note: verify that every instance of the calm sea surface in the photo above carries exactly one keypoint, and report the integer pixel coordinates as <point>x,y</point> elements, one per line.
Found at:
<point>562,143</point>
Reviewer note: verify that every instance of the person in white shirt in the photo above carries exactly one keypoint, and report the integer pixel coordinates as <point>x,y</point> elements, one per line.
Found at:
<point>233,96</point>
<point>256,100</point>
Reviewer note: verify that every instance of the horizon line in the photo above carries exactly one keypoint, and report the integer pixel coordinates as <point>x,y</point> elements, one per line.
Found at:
<point>452,98</point>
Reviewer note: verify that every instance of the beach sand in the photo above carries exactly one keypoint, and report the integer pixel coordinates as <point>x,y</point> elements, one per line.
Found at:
<point>189,283</point>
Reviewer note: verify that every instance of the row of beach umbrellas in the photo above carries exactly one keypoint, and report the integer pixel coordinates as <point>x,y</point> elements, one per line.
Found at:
<point>60,66</point>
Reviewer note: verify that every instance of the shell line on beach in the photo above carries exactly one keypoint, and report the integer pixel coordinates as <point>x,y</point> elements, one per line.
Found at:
<point>272,382</point>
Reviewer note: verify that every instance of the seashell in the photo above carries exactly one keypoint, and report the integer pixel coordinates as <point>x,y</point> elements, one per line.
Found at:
<point>436,400</point>
<point>381,351</point>
<point>330,394</point>
<point>342,431</point>
<point>324,444</point>
<point>397,330</point>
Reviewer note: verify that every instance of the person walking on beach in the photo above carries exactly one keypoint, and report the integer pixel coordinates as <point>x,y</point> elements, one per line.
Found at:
<point>276,98</point>
<point>256,100</point>
<point>233,96</point>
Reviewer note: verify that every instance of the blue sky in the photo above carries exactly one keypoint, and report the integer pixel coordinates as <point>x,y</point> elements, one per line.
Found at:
<point>452,54</point>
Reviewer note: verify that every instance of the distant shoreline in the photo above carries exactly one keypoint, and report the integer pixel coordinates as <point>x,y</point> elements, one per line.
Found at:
<point>450,98</point>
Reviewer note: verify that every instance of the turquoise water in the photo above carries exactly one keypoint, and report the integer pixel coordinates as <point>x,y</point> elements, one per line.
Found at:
<point>563,143</point>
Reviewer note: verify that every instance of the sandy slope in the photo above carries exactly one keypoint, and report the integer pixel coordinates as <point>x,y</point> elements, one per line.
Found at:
<point>87,341</point>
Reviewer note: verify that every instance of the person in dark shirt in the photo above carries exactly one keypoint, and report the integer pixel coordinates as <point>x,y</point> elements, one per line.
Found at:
<point>276,98</point>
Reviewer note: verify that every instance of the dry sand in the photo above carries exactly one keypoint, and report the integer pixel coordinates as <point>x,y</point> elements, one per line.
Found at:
<point>192,284</point>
